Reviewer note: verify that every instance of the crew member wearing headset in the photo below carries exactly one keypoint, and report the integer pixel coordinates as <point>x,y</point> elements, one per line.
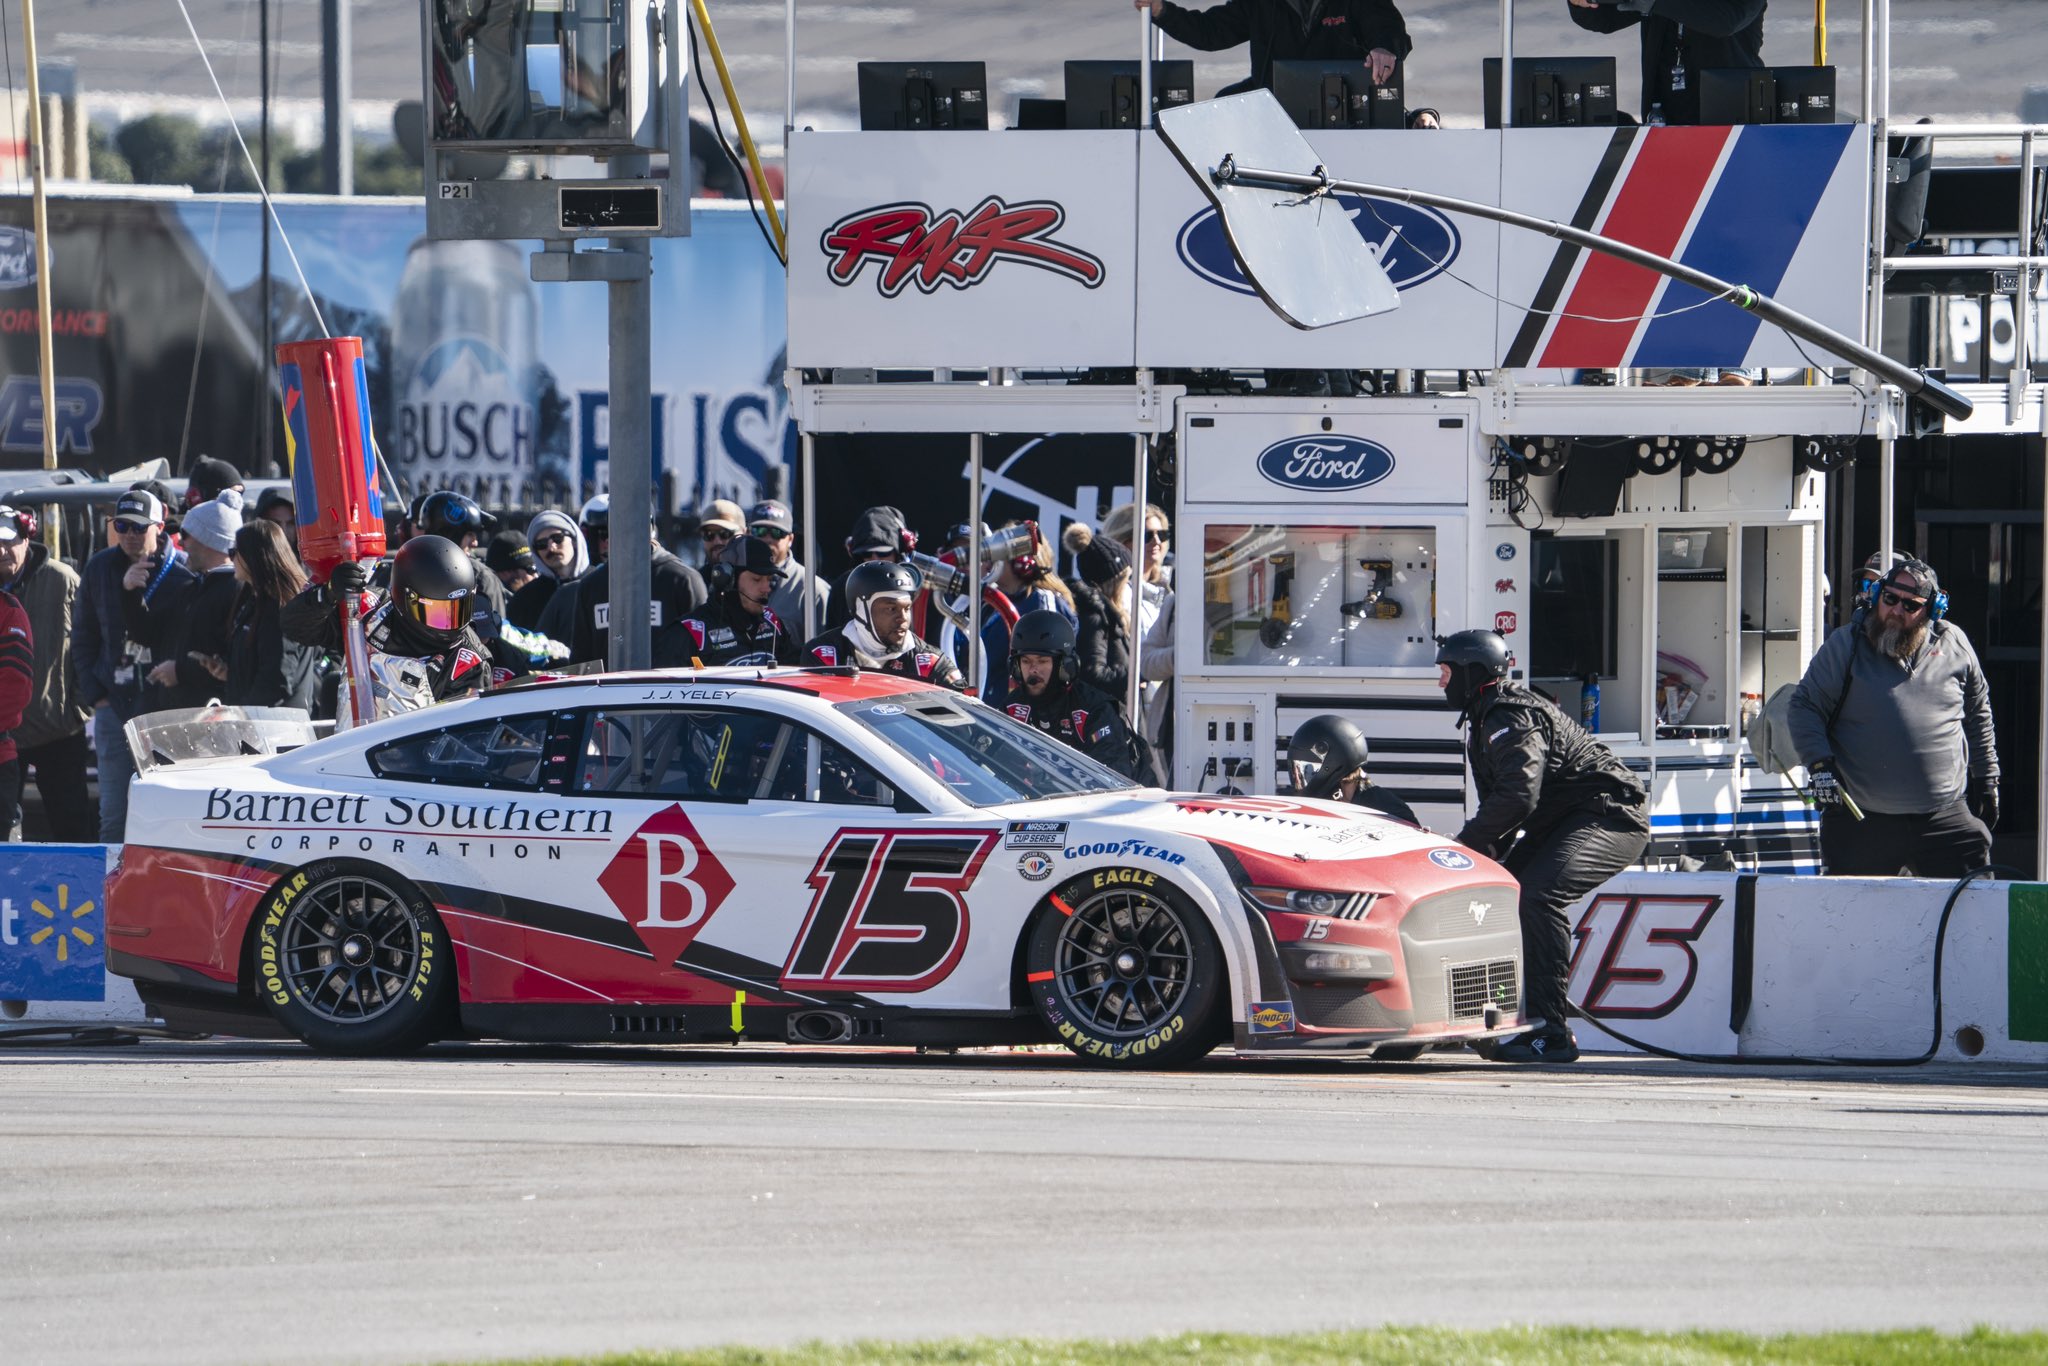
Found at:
<point>1046,692</point>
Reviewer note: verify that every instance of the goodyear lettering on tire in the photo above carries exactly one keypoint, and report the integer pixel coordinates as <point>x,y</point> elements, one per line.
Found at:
<point>266,934</point>
<point>1087,1043</point>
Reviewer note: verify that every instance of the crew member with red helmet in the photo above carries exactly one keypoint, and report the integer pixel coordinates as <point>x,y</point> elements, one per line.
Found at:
<point>878,635</point>
<point>1046,692</point>
<point>736,626</point>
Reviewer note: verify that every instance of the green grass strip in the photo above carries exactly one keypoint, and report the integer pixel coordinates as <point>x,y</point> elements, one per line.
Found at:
<point>1393,1347</point>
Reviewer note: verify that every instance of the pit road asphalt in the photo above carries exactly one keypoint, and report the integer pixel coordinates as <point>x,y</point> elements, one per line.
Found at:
<point>219,1202</point>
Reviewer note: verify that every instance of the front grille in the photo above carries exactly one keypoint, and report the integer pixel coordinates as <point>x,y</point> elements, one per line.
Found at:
<point>1452,915</point>
<point>1344,1007</point>
<point>1474,986</point>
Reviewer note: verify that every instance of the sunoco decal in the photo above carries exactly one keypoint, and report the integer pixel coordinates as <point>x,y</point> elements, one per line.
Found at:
<point>1325,464</point>
<point>912,244</point>
<point>1270,1017</point>
<point>1413,244</point>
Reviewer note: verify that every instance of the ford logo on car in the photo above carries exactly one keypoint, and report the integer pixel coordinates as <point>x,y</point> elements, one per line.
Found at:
<point>1413,244</point>
<point>1325,464</point>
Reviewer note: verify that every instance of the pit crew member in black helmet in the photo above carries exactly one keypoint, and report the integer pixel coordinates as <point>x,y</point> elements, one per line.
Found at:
<point>736,626</point>
<point>423,647</point>
<point>1581,814</point>
<point>1327,758</point>
<point>878,634</point>
<point>457,518</point>
<point>1047,692</point>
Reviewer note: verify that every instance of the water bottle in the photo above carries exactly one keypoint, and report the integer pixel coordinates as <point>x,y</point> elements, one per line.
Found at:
<point>1589,703</point>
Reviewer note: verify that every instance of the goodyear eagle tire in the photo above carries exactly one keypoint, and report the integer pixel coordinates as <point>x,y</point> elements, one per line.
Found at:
<point>352,959</point>
<point>1125,971</point>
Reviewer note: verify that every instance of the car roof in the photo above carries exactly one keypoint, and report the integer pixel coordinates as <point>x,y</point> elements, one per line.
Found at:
<point>832,684</point>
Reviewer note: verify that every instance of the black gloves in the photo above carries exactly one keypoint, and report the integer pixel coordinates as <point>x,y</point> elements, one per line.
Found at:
<point>1983,802</point>
<point>350,576</point>
<point>1822,789</point>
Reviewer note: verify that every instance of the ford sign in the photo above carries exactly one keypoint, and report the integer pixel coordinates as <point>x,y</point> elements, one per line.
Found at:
<point>1413,244</point>
<point>17,258</point>
<point>1325,464</point>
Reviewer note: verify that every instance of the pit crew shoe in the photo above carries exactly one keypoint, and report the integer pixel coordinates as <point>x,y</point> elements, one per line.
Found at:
<point>1538,1047</point>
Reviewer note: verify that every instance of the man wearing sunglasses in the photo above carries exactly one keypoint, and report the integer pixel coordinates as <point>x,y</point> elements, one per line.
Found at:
<point>1894,712</point>
<point>771,523</point>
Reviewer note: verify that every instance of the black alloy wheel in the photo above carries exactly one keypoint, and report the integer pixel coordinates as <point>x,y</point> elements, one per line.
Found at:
<point>1132,976</point>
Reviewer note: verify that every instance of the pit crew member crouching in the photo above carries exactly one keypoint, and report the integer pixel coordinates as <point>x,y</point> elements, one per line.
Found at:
<point>422,647</point>
<point>1581,814</point>
<point>1046,692</point>
<point>1327,756</point>
<point>877,635</point>
<point>736,626</point>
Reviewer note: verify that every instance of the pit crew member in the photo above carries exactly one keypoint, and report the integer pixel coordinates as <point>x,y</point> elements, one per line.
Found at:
<point>1046,692</point>
<point>878,634</point>
<point>737,625</point>
<point>1327,758</point>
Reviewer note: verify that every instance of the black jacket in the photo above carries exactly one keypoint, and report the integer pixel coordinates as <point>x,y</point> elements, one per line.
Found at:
<point>1091,721</point>
<point>1104,642</point>
<point>264,669</point>
<point>456,666</point>
<point>111,664</point>
<point>678,592</point>
<point>724,634</point>
<point>1535,768</point>
<point>922,660</point>
<point>1386,803</point>
<point>1288,29</point>
<point>1690,33</point>
<point>178,624</point>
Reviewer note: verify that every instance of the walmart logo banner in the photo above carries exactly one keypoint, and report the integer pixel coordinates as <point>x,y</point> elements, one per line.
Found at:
<point>53,922</point>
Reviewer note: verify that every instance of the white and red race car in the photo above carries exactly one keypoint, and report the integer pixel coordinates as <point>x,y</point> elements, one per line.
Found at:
<point>806,855</point>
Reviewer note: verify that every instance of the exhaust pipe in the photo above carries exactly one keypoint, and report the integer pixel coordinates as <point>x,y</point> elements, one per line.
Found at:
<point>820,1026</point>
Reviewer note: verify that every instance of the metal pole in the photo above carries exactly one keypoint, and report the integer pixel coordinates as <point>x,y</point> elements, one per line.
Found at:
<point>1138,472</point>
<point>1887,468</point>
<point>808,456</point>
<point>974,573</point>
<point>789,107</point>
<point>1507,64</point>
<point>338,156</point>
<point>2041,754</point>
<point>45,341</point>
<point>1144,66</point>
<point>2022,353</point>
<point>1877,43</point>
<point>266,347</point>
<point>630,409</point>
<point>1867,81</point>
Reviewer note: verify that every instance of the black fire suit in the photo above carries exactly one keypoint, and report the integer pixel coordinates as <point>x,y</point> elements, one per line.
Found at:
<point>1287,29</point>
<point>725,633</point>
<point>1582,815</point>
<point>1680,38</point>
<point>1091,721</point>
<point>457,664</point>
<point>921,659</point>
<point>1386,803</point>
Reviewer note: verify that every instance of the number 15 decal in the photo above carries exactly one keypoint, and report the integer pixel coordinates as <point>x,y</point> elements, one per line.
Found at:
<point>1643,963</point>
<point>889,910</point>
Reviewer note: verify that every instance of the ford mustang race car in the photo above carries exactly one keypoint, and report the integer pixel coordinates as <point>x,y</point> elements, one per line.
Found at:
<point>815,856</point>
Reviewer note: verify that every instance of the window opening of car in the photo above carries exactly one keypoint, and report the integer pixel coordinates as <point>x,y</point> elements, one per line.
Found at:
<point>501,752</point>
<point>701,755</point>
<point>983,756</point>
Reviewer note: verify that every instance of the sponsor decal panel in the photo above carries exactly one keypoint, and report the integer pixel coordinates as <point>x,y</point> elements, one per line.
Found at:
<point>667,882</point>
<point>1413,244</point>
<point>1328,463</point>
<point>914,244</point>
<point>1505,623</point>
<point>52,923</point>
<point>1035,835</point>
<point>514,829</point>
<point>1642,967</point>
<point>1035,867</point>
<point>888,910</point>
<point>1126,849</point>
<point>1270,1017</point>
<point>1504,551</point>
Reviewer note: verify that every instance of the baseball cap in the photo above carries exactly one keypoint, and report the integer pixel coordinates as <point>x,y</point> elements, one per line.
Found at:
<point>509,550</point>
<point>724,514</point>
<point>1913,576</point>
<point>140,505</point>
<point>771,514</point>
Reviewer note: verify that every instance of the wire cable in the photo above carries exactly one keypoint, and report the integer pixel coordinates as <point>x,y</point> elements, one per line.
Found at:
<point>13,133</point>
<point>718,131</point>
<point>1933,1044</point>
<point>262,182</point>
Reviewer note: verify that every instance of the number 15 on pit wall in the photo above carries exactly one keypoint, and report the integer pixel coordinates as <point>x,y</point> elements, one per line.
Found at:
<point>1659,966</point>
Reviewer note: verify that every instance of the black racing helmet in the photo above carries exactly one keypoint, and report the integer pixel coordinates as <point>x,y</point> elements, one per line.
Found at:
<point>879,579</point>
<point>1324,752</point>
<point>433,584</point>
<point>1045,632</point>
<point>1478,660</point>
<point>749,553</point>
<point>450,514</point>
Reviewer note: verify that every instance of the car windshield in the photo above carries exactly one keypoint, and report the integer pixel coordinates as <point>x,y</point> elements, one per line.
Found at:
<point>986,758</point>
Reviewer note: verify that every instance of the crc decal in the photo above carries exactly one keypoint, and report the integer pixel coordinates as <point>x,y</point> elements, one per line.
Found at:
<point>1325,464</point>
<point>1449,858</point>
<point>1035,867</point>
<point>1034,834</point>
<point>1504,623</point>
<point>888,910</point>
<point>1633,957</point>
<point>1413,244</point>
<point>911,244</point>
<point>666,882</point>
<point>1270,1017</point>
<point>1126,849</point>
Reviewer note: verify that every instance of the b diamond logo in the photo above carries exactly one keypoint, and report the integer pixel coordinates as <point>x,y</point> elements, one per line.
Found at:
<point>666,882</point>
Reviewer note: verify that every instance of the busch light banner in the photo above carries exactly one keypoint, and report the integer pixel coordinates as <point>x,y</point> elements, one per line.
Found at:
<point>478,379</point>
<point>53,922</point>
<point>1015,250</point>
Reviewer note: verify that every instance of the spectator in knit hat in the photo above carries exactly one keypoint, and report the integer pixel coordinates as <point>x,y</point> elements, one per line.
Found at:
<point>51,736</point>
<point>187,633</point>
<point>209,479</point>
<point>1104,571</point>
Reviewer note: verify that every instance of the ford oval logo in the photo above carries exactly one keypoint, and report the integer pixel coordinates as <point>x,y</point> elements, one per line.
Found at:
<point>1413,244</point>
<point>17,258</point>
<point>1449,858</point>
<point>1325,464</point>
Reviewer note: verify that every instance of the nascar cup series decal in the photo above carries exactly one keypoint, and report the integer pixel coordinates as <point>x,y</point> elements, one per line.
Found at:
<point>1413,244</point>
<point>1325,464</point>
<point>1449,858</point>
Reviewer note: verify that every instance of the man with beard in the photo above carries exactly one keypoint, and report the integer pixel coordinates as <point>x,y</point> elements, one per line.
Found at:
<point>878,636</point>
<point>1046,691</point>
<point>1894,713</point>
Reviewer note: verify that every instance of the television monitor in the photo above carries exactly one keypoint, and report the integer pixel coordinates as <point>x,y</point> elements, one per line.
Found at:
<point>923,95</point>
<point>1335,93</point>
<point>1590,484</point>
<point>1805,94</point>
<point>1039,113</point>
<point>1573,614</point>
<point>1773,94</point>
<point>1105,94</point>
<point>1554,92</point>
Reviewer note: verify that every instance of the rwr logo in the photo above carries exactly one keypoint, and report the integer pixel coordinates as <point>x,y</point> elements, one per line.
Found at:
<point>912,245</point>
<point>666,882</point>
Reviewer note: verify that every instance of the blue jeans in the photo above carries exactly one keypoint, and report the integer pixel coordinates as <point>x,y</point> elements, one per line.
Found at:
<point>116,771</point>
